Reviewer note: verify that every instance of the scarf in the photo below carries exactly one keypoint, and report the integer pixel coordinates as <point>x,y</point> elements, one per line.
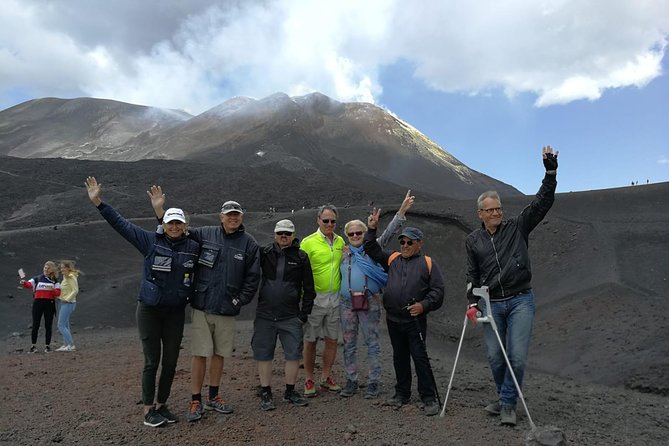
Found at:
<point>369,267</point>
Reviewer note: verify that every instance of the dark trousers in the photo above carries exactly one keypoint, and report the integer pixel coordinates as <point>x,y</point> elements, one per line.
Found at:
<point>46,308</point>
<point>406,342</point>
<point>160,328</point>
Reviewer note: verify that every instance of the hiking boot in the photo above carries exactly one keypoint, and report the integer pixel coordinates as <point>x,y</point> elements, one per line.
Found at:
<point>294,398</point>
<point>493,408</point>
<point>372,391</point>
<point>165,412</point>
<point>507,415</point>
<point>154,419</point>
<point>349,389</point>
<point>33,349</point>
<point>218,404</point>
<point>195,411</point>
<point>267,401</point>
<point>397,401</point>
<point>431,408</point>
<point>47,349</point>
<point>330,385</point>
<point>309,388</point>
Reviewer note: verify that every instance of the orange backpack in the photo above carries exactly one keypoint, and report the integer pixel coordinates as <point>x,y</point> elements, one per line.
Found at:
<point>396,254</point>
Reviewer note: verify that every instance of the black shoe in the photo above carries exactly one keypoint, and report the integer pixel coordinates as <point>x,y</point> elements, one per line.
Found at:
<point>493,408</point>
<point>267,401</point>
<point>508,415</point>
<point>372,391</point>
<point>431,408</point>
<point>165,412</point>
<point>47,349</point>
<point>398,401</point>
<point>33,349</point>
<point>154,419</point>
<point>349,389</point>
<point>294,398</point>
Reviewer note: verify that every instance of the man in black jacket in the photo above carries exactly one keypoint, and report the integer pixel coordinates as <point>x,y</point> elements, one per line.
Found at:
<point>286,297</point>
<point>415,287</point>
<point>497,257</point>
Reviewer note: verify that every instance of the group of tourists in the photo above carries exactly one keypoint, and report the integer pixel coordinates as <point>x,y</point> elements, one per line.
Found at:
<point>47,290</point>
<point>318,288</point>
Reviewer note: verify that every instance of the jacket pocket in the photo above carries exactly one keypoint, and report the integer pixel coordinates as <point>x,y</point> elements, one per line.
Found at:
<point>208,255</point>
<point>149,293</point>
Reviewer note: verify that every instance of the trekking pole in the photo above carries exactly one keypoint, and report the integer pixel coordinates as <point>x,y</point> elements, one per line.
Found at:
<point>483,292</point>
<point>450,381</point>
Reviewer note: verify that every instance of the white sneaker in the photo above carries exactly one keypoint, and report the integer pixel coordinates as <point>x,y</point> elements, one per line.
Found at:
<point>71,348</point>
<point>63,348</point>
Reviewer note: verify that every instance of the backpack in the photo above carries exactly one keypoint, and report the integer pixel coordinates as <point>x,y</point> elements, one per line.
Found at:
<point>396,254</point>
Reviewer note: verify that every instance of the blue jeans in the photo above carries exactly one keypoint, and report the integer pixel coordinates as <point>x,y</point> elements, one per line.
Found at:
<point>65,310</point>
<point>514,318</point>
<point>368,323</point>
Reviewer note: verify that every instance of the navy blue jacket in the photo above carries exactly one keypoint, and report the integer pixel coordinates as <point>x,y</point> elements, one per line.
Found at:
<point>166,262</point>
<point>228,270</point>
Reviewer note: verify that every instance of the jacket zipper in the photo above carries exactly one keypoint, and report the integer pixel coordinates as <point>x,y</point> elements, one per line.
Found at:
<point>499,275</point>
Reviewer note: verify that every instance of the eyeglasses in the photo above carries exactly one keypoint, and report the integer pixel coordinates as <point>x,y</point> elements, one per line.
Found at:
<point>284,233</point>
<point>328,220</point>
<point>491,210</point>
<point>406,242</point>
<point>351,234</point>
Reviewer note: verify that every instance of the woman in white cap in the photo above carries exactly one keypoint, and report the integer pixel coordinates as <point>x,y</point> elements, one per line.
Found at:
<point>169,261</point>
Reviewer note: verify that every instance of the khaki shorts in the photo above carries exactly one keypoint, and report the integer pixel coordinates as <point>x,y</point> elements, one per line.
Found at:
<point>212,334</point>
<point>322,322</point>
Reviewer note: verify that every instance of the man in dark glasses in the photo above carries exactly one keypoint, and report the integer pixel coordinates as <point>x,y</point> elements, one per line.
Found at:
<point>325,249</point>
<point>284,303</point>
<point>415,287</point>
<point>497,257</point>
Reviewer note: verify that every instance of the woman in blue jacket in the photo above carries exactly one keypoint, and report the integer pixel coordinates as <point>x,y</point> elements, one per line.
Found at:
<point>169,261</point>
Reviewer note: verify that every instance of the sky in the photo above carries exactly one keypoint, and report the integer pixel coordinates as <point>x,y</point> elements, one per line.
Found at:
<point>490,81</point>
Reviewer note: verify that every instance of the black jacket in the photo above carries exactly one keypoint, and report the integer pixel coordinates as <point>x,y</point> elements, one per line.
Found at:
<point>408,280</point>
<point>166,262</point>
<point>228,270</point>
<point>287,280</point>
<point>501,260</point>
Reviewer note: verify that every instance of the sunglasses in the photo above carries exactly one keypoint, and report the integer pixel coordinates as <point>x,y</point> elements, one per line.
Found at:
<point>351,234</point>
<point>406,242</point>
<point>284,233</point>
<point>328,221</point>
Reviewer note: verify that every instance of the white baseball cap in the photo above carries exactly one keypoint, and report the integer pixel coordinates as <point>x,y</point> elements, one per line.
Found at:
<point>174,214</point>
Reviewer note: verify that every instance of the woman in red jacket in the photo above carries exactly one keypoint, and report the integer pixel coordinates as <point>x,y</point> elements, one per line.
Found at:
<point>45,291</point>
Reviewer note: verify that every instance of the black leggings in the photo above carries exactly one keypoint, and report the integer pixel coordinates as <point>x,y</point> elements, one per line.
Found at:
<point>46,307</point>
<point>160,328</point>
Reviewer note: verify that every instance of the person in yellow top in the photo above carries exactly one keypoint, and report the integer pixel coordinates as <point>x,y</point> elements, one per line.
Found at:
<point>325,249</point>
<point>67,302</point>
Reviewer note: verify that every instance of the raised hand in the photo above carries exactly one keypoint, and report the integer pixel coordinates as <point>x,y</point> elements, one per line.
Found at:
<point>157,199</point>
<point>407,203</point>
<point>94,190</point>
<point>373,219</point>
<point>550,158</point>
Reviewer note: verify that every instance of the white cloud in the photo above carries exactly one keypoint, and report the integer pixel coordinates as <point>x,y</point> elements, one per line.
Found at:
<point>663,160</point>
<point>196,54</point>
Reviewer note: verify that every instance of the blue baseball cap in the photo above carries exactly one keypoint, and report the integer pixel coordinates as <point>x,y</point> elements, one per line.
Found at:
<point>412,233</point>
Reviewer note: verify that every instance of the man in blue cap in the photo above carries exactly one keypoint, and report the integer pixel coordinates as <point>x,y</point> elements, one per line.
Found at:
<point>415,287</point>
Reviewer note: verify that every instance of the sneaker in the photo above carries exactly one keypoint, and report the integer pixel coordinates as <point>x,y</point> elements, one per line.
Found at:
<point>493,408</point>
<point>372,391</point>
<point>295,398</point>
<point>165,412</point>
<point>508,415</point>
<point>349,389</point>
<point>154,419</point>
<point>267,401</point>
<point>72,348</point>
<point>47,349</point>
<point>397,401</point>
<point>63,348</point>
<point>195,411</point>
<point>309,388</point>
<point>33,349</point>
<point>431,408</point>
<point>330,385</point>
<point>218,404</point>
